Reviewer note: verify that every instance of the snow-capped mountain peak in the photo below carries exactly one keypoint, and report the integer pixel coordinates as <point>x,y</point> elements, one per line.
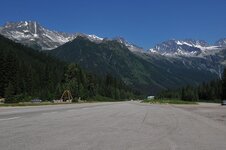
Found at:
<point>91,37</point>
<point>187,47</point>
<point>94,37</point>
<point>31,33</point>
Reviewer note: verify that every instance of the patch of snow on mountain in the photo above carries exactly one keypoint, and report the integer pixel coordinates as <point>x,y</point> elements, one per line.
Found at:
<point>94,37</point>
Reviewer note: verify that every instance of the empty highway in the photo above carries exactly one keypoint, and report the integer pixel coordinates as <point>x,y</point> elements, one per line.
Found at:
<point>108,126</point>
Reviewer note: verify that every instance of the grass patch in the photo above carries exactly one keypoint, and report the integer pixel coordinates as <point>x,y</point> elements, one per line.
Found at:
<point>95,99</point>
<point>167,101</point>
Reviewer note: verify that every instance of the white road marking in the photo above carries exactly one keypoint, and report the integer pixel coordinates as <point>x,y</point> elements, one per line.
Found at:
<point>5,119</point>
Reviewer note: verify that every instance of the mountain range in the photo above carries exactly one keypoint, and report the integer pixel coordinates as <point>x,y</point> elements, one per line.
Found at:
<point>32,34</point>
<point>188,47</point>
<point>169,64</point>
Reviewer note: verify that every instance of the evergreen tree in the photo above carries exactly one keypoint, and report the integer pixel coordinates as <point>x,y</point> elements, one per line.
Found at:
<point>224,85</point>
<point>9,92</point>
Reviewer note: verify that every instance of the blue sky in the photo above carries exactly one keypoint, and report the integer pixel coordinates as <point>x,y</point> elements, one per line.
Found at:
<point>143,22</point>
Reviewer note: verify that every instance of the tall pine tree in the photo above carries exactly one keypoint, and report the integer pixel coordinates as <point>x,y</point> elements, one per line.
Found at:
<point>224,85</point>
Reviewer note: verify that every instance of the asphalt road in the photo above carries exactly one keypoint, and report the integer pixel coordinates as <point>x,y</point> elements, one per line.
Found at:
<point>108,126</point>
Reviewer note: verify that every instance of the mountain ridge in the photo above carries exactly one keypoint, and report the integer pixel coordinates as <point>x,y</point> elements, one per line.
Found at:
<point>186,47</point>
<point>32,34</point>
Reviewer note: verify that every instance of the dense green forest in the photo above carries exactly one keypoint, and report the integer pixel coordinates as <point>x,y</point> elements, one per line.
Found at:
<point>26,74</point>
<point>212,91</point>
<point>142,71</point>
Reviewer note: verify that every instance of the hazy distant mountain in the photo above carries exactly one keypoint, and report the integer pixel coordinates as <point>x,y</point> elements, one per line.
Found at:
<point>197,53</point>
<point>180,47</point>
<point>188,48</point>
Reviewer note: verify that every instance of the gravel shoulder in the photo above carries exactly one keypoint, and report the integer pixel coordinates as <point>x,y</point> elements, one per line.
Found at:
<point>212,111</point>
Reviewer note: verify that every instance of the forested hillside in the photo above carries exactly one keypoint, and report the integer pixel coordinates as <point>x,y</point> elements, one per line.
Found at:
<point>26,74</point>
<point>213,91</point>
<point>147,73</point>
<point>109,57</point>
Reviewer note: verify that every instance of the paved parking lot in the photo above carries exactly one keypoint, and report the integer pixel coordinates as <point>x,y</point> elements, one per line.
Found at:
<point>112,126</point>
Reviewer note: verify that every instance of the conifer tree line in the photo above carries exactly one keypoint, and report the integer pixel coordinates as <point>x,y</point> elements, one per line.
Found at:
<point>26,74</point>
<point>213,91</point>
<point>88,86</point>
